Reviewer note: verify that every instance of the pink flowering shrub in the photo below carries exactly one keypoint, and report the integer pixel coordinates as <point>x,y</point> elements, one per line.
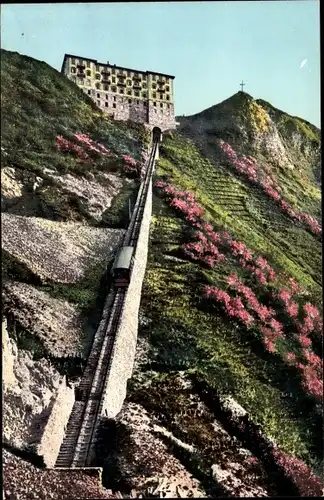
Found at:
<point>68,146</point>
<point>132,167</point>
<point>250,169</point>
<point>234,307</point>
<point>263,318</point>
<point>182,201</point>
<point>92,145</point>
<point>299,473</point>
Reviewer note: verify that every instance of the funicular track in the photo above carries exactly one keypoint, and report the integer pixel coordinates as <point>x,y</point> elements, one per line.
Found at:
<point>76,448</point>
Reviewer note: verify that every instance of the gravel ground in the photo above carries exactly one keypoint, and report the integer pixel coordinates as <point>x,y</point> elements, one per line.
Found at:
<point>60,251</point>
<point>55,322</point>
<point>148,450</point>
<point>23,481</point>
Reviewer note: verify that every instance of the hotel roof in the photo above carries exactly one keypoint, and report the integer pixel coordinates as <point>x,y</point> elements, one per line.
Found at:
<point>113,65</point>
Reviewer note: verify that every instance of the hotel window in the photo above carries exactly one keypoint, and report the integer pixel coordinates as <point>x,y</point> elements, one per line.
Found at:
<point>98,102</point>
<point>98,86</point>
<point>106,104</point>
<point>73,60</point>
<point>113,89</point>
<point>154,103</point>
<point>154,78</point>
<point>154,95</point>
<point>128,73</point>
<point>144,85</point>
<point>89,92</point>
<point>113,71</point>
<point>97,67</point>
<point>114,104</point>
<point>168,98</point>
<point>105,87</point>
<point>153,85</point>
<point>145,103</point>
<point>98,95</point>
<point>129,92</point>
<point>114,79</point>
<point>168,105</point>
<point>144,95</point>
<point>129,83</point>
<point>167,88</point>
<point>129,101</point>
<point>161,96</point>
<point>107,97</point>
<point>161,105</point>
<point>97,76</point>
<point>114,98</point>
<point>88,64</point>
<point>137,102</point>
<point>121,91</point>
<point>136,93</point>
<point>88,72</point>
<point>73,70</point>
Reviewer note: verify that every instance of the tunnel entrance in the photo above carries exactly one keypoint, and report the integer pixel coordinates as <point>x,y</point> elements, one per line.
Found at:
<point>156,134</point>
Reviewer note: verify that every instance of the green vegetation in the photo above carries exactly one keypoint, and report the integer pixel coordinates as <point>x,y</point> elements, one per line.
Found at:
<point>185,336</point>
<point>284,121</point>
<point>117,215</point>
<point>38,103</point>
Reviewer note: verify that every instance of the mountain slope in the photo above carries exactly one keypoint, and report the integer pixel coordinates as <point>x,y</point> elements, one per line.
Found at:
<point>287,145</point>
<point>223,253</point>
<point>209,394</point>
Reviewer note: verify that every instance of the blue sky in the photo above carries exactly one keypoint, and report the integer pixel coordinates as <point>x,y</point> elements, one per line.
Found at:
<point>209,46</point>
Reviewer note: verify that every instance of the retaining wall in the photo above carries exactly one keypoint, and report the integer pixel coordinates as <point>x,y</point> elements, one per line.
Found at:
<point>126,337</point>
<point>50,442</point>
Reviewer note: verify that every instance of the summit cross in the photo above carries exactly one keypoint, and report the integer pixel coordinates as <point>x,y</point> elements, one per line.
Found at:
<point>242,85</point>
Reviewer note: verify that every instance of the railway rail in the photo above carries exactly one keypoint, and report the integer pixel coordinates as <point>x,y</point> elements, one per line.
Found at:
<point>77,446</point>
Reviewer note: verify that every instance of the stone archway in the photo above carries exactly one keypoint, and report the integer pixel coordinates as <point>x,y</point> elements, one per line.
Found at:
<point>157,134</point>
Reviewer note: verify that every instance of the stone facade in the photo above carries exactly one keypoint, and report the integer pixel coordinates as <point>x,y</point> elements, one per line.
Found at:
<point>124,93</point>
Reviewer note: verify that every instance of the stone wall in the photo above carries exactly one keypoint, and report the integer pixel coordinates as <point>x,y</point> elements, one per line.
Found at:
<point>126,338</point>
<point>36,401</point>
<point>122,107</point>
<point>53,434</point>
<point>161,117</point>
<point>8,376</point>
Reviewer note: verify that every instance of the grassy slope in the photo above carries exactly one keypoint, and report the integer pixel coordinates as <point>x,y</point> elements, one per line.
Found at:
<point>300,138</point>
<point>185,337</point>
<point>38,103</point>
